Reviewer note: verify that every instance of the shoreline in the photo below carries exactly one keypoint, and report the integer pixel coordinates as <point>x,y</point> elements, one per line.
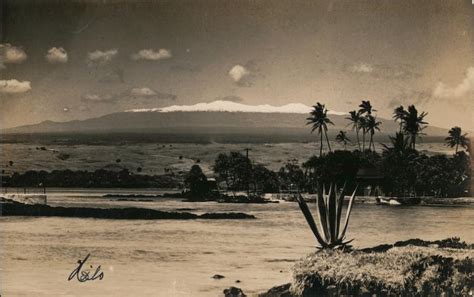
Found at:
<point>431,264</point>
<point>13,208</point>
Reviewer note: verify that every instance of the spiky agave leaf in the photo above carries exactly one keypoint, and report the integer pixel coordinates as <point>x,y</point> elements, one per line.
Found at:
<point>309,219</point>
<point>322,214</point>
<point>332,213</point>
<point>340,203</point>
<point>348,214</point>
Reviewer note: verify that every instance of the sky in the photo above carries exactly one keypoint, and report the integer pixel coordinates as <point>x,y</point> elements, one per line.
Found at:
<point>73,60</point>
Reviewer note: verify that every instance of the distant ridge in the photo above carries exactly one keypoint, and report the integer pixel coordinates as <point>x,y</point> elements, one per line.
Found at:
<point>285,123</point>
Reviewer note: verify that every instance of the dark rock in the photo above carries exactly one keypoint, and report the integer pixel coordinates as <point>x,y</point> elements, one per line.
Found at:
<point>226,215</point>
<point>218,276</point>
<point>278,291</point>
<point>130,213</point>
<point>234,292</point>
<point>237,281</point>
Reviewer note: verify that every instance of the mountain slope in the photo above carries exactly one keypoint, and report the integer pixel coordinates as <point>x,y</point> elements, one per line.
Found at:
<point>199,122</point>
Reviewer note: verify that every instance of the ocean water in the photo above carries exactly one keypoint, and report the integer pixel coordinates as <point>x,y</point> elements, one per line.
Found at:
<point>179,258</point>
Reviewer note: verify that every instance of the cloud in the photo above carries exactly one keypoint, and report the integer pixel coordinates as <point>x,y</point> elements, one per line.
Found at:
<point>101,57</point>
<point>149,54</point>
<point>146,92</point>
<point>14,86</point>
<point>56,55</point>
<point>384,71</point>
<point>231,98</point>
<point>96,98</point>
<point>238,73</point>
<point>245,75</point>
<point>10,54</point>
<point>142,92</point>
<point>362,68</point>
<point>461,90</point>
<point>410,97</point>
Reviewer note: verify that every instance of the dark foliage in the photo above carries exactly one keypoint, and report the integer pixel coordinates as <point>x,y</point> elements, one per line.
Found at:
<point>89,179</point>
<point>197,183</point>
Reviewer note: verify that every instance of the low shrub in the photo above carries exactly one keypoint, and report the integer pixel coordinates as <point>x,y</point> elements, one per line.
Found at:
<point>399,271</point>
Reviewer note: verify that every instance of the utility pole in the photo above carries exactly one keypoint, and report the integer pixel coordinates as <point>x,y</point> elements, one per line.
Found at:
<point>248,171</point>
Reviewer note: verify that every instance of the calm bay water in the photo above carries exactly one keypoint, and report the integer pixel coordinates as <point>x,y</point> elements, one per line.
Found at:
<point>179,258</point>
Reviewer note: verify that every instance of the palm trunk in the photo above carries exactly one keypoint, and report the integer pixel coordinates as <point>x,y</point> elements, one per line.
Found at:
<point>363,139</point>
<point>327,139</point>
<point>358,140</point>
<point>457,145</point>
<point>413,141</point>
<point>321,142</point>
<point>371,140</point>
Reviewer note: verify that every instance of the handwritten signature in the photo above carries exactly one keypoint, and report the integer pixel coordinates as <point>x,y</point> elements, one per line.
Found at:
<point>84,275</point>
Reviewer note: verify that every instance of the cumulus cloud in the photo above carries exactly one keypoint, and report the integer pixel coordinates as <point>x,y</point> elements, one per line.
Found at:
<point>146,92</point>
<point>138,92</point>
<point>142,92</point>
<point>56,55</point>
<point>149,54</point>
<point>238,73</point>
<point>96,98</point>
<point>12,54</point>
<point>461,90</point>
<point>384,71</point>
<point>14,86</point>
<point>101,57</point>
<point>362,68</point>
<point>410,97</point>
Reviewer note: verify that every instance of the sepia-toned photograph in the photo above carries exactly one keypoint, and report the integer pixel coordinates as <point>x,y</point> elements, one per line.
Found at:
<point>232,148</point>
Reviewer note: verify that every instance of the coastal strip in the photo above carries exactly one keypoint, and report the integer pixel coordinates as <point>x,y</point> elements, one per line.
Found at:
<point>130,213</point>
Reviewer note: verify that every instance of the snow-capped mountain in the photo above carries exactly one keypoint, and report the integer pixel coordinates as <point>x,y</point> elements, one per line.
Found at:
<point>229,106</point>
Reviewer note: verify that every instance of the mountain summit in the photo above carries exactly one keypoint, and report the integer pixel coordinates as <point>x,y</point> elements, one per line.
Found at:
<point>230,106</point>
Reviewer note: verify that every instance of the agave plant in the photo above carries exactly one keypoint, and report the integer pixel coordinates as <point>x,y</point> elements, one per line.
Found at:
<point>329,208</point>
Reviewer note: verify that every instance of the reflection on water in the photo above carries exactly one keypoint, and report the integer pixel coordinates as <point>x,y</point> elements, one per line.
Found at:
<point>179,258</point>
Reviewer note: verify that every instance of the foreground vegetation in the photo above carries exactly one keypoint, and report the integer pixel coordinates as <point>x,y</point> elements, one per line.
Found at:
<point>407,268</point>
<point>400,271</point>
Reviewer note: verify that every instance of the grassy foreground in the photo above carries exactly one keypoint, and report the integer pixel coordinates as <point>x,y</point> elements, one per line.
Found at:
<point>408,270</point>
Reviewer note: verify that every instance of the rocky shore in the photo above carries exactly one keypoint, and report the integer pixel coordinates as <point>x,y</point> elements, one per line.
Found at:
<point>413,267</point>
<point>13,208</point>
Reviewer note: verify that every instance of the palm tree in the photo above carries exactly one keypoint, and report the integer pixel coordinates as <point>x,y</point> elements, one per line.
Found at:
<point>342,138</point>
<point>366,107</point>
<point>371,125</point>
<point>414,123</point>
<point>354,119</point>
<point>319,121</point>
<point>363,125</point>
<point>399,114</point>
<point>400,144</point>
<point>456,138</point>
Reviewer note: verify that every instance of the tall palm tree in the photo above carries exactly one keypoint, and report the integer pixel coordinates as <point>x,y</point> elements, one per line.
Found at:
<point>319,121</point>
<point>342,138</point>
<point>399,114</point>
<point>400,144</point>
<point>371,126</point>
<point>414,124</point>
<point>354,119</point>
<point>363,126</point>
<point>456,138</point>
<point>366,107</point>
